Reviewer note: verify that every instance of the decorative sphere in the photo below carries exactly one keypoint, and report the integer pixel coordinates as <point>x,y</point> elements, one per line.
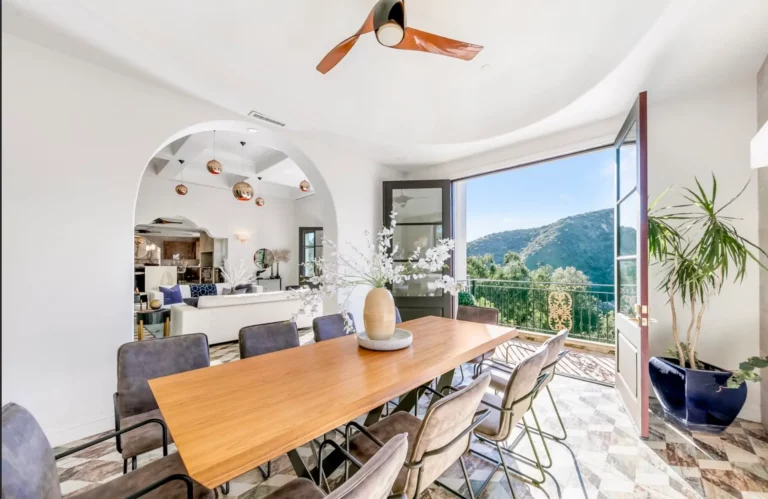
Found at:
<point>242,191</point>
<point>259,201</point>
<point>304,186</point>
<point>154,304</point>
<point>214,167</point>
<point>181,190</point>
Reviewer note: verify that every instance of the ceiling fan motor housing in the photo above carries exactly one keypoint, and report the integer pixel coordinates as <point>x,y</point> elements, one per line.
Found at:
<point>389,22</point>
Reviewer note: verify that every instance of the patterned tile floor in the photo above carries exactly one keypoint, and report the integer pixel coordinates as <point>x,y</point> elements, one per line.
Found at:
<point>603,458</point>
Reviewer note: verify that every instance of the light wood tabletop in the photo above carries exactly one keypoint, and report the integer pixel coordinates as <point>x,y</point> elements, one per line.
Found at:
<point>227,419</point>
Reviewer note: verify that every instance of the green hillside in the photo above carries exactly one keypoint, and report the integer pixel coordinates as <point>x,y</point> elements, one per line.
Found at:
<point>583,241</point>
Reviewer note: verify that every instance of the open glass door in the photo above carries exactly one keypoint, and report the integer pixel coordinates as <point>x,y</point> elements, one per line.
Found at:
<point>423,210</point>
<point>631,259</point>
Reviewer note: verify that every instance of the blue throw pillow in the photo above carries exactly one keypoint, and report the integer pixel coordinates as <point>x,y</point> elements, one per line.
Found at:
<point>171,295</point>
<point>197,290</point>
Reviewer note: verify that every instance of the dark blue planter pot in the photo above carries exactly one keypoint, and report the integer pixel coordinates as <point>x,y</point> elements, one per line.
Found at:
<point>696,398</point>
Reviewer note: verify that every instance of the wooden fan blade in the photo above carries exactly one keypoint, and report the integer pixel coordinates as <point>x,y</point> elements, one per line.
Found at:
<point>341,50</point>
<point>422,41</point>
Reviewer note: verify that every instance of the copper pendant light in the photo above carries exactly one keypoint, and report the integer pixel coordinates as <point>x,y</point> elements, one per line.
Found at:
<point>304,186</point>
<point>181,189</point>
<point>259,200</point>
<point>214,167</point>
<point>242,190</point>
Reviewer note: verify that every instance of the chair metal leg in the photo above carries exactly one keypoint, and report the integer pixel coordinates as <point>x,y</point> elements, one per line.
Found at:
<point>133,463</point>
<point>559,419</point>
<point>541,436</point>
<point>268,472</point>
<point>466,477</point>
<point>461,370</point>
<point>125,466</point>
<point>535,463</point>
<point>506,471</point>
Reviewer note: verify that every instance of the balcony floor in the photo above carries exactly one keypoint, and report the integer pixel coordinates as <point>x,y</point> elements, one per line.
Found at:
<point>589,366</point>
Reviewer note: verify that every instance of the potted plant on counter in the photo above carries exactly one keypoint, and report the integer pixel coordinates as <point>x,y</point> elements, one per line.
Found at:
<point>698,249</point>
<point>375,269</point>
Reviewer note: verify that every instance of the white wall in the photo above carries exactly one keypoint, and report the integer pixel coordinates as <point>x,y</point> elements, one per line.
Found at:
<point>308,211</point>
<point>272,226</point>
<point>690,136</point>
<point>76,139</point>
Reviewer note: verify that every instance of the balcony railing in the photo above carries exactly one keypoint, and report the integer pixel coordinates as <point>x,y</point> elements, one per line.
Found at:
<point>587,310</point>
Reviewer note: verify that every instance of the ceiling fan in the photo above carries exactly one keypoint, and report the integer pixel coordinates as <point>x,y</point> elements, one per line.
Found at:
<point>402,199</point>
<point>388,21</point>
<point>165,221</point>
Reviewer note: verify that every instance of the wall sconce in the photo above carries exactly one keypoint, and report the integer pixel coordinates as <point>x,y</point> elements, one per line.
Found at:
<point>242,236</point>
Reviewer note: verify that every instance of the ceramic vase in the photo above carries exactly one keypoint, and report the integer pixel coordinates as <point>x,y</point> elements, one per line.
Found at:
<point>696,398</point>
<point>379,314</point>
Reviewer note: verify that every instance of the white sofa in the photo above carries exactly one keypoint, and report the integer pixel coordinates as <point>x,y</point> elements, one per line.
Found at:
<point>156,294</point>
<point>221,317</point>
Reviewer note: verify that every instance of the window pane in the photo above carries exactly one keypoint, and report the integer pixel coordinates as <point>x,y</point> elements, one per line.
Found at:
<point>319,238</point>
<point>308,270</point>
<point>318,252</point>
<point>418,205</point>
<point>628,162</point>
<point>309,254</point>
<point>309,239</point>
<point>419,287</point>
<point>629,220</point>
<point>410,237</point>
<point>627,292</point>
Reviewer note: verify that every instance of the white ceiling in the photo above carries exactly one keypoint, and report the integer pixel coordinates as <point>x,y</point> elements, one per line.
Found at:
<point>550,64</point>
<point>280,176</point>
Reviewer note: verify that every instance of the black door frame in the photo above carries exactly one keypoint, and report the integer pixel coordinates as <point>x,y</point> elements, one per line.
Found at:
<point>302,231</point>
<point>446,301</point>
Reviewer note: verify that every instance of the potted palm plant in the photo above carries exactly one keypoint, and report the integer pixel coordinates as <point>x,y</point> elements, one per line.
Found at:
<point>698,249</point>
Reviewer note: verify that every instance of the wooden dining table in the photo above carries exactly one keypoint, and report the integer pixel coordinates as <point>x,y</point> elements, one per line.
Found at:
<point>230,418</point>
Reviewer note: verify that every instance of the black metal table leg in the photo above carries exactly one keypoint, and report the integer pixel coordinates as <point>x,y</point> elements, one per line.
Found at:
<point>445,380</point>
<point>298,465</point>
<point>373,416</point>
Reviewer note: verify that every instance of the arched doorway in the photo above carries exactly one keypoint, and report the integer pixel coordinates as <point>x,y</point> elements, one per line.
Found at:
<point>241,227</point>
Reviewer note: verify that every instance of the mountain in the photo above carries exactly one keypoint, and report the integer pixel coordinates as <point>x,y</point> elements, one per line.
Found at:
<point>583,241</point>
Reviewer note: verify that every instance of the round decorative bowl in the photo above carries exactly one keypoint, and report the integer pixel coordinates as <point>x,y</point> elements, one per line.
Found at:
<point>155,304</point>
<point>401,339</point>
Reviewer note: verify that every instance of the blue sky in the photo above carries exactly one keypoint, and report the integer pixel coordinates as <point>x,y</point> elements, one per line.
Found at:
<point>541,194</point>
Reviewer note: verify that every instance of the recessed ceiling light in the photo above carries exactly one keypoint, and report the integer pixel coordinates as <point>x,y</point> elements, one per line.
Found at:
<point>253,130</point>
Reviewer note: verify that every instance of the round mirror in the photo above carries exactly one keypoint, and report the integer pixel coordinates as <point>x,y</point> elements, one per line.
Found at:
<point>263,259</point>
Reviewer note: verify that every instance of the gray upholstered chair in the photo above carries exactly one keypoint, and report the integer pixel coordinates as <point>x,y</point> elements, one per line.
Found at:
<point>482,315</point>
<point>29,467</point>
<point>267,338</point>
<point>398,317</point>
<point>507,411</point>
<point>137,363</point>
<point>329,327</point>
<point>373,481</point>
<point>555,347</point>
<point>434,443</point>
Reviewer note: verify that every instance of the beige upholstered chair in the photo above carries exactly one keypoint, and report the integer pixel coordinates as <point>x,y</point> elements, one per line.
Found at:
<point>555,348</point>
<point>434,443</point>
<point>482,315</point>
<point>373,481</point>
<point>507,411</point>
